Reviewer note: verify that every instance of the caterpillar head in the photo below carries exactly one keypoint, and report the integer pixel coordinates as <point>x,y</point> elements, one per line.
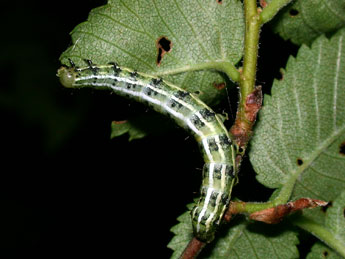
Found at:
<point>67,76</point>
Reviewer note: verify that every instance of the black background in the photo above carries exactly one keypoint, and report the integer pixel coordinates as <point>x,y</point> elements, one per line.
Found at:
<point>66,189</point>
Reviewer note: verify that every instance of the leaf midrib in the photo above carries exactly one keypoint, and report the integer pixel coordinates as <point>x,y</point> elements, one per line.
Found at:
<point>326,143</point>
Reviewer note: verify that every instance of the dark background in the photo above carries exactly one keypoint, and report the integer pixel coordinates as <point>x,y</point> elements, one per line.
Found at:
<point>65,187</point>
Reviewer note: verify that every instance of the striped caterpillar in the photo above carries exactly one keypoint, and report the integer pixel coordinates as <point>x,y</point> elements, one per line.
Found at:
<point>219,171</point>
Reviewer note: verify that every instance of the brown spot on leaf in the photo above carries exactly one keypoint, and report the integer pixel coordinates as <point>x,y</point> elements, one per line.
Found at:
<point>299,161</point>
<point>293,12</point>
<point>342,149</point>
<point>263,3</point>
<point>219,86</point>
<point>164,45</point>
<point>219,1</point>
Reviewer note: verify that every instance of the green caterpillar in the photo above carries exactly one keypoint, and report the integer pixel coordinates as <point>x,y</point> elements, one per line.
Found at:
<point>219,171</point>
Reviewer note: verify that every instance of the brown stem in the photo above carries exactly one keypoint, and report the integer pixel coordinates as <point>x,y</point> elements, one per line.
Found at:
<point>275,214</point>
<point>242,128</point>
<point>193,249</point>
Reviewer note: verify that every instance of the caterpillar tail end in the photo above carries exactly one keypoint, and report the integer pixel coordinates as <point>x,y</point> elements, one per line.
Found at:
<point>202,230</point>
<point>67,76</point>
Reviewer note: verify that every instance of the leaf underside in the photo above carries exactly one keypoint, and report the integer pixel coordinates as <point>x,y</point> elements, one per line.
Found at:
<point>302,126</point>
<point>303,21</point>
<point>321,251</point>
<point>335,223</point>
<point>300,136</point>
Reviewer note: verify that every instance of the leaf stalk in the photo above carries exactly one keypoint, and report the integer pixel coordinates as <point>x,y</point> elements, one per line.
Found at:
<point>272,9</point>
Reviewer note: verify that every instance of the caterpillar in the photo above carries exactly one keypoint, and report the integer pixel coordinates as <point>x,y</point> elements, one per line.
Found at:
<point>189,112</point>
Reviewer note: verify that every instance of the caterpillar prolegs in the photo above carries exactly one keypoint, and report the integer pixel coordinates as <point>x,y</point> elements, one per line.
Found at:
<point>219,171</point>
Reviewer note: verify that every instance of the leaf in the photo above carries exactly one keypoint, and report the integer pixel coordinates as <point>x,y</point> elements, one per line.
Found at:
<point>200,33</point>
<point>183,233</point>
<point>240,239</point>
<point>299,138</point>
<point>335,218</point>
<point>335,223</point>
<point>321,251</point>
<point>303,21</point>
<point>119,128</point>
<point>141,125</point>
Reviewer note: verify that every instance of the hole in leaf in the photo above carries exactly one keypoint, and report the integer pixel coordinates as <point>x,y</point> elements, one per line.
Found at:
<point>325,253</point>
<point>324,208</point>
<point>219,86</point>
<point>293,12</point>
<point>342,149</point>
<point>164,45</point>
<point>299,161</point>
<point>197,92</point>
<point>344,213</point>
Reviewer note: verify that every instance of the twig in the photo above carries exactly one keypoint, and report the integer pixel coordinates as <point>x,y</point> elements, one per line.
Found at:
<point>193,249</point>
<point>275,214</point>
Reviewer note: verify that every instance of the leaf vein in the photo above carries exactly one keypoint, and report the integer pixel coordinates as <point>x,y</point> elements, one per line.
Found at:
<point>315,88</point>
<point>119,48</point>
<point>336,77</point>
<point>165,24</point>
<point>125,26</point>
<point>192,29</point>
<point>326,176</point>
<point>299,114</point>
<point>282,135</point>
<point>316,195</point>
<point>332,11</point>
<point>251,245</point>
<point>306,23</point>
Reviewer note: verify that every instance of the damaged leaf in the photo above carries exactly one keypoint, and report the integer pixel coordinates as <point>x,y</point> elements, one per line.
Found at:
<point>302,125</point>
<point>196,34</point>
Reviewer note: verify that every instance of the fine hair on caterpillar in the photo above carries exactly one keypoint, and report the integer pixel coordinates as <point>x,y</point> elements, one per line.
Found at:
<point>188,111</point>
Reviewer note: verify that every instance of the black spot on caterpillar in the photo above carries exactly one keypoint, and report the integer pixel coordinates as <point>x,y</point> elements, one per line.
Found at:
<point>188,111</point>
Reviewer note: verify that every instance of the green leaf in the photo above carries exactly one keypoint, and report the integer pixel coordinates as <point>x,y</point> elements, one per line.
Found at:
<point>335,227</point>
<point>202,35</point>
<point>183,233</point>
<point>240,239</point>
<point>335,218</point>
<point>119,128</point>
<point>303,21</point>
<point>321,251</point>
<point>298,142</point>
<point>141,125</point>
